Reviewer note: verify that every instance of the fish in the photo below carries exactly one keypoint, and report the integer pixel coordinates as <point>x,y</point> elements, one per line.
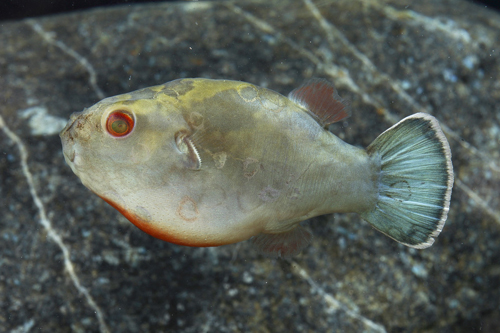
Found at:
<point>202,162</point>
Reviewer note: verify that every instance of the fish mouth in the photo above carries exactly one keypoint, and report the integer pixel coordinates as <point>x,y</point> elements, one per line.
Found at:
<point>69,153</point>
<point>68,148</point>
<point>68,136</point>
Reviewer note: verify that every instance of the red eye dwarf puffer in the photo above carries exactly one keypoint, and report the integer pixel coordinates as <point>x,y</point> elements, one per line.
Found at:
<point>203,162</point>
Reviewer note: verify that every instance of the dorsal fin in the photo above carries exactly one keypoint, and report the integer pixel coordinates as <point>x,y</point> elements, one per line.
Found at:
<point>322,101</point>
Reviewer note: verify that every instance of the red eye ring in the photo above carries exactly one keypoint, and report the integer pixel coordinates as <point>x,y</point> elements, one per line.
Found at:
<point>119,123</point>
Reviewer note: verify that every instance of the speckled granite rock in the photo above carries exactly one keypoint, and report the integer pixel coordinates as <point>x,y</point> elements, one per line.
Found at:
<point>69,262</point>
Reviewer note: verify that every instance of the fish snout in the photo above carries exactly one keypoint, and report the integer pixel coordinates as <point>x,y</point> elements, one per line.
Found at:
<point>68,151</point>
<point>68,143</point>
<point>71,134</point>
<point>68,129</point>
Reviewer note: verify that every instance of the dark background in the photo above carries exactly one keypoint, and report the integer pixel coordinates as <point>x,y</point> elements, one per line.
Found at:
<point>17,9</point>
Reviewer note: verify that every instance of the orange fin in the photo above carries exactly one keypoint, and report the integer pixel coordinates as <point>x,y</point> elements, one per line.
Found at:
<point>284,245</point>
<point>322,101</point>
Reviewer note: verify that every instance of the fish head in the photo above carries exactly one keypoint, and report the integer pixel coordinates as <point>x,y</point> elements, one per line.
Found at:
<point>127,143</point>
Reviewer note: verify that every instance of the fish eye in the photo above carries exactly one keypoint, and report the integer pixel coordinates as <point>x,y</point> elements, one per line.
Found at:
<point>120,123</point>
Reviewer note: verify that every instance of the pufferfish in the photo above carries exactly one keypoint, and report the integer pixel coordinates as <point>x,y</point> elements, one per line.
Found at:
<point>202,162</point>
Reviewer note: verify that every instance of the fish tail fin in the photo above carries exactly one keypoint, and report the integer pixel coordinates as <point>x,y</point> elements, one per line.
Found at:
<point>415,181</point>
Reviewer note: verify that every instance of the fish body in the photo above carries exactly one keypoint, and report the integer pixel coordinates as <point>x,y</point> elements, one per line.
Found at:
<point>203,162</point>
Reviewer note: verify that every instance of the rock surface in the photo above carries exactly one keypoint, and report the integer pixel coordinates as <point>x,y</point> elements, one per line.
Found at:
<point>69,262</point>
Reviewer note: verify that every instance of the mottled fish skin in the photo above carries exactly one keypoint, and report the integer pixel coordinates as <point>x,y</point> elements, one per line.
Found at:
<point>213,162</point>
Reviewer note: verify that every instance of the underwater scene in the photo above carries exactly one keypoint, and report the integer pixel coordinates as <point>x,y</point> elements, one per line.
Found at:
<point>251,166</point>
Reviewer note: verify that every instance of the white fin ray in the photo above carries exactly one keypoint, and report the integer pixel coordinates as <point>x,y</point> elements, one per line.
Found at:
<point>415,181</point>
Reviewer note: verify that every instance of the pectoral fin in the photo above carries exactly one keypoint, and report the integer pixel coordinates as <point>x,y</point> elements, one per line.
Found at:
<point>186,147</point>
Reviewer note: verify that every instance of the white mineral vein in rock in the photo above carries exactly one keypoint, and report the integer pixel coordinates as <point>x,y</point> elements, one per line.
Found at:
<point>41,122</point>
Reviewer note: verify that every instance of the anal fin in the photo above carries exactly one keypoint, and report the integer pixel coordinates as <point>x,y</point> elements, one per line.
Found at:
<point>283,245</point>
